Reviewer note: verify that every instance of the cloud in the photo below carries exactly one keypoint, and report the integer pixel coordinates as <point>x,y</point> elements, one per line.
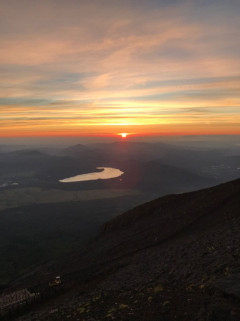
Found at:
<point>115,62</point>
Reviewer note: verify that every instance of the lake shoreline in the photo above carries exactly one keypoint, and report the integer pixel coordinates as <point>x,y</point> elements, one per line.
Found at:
<point>106,173</point>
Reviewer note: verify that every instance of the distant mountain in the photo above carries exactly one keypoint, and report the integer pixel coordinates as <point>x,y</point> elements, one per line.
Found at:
<point>211,163</point>
<point>73,150</point>
<point>125,150</point>
<point>22,163</point>
<point>25,153</point>
<point>174,258</point>
<point>197,159</point>
<point>39,168</point>
<point>147,166</point>
<point>172,179</point>
<point>143,166</point>
<point>8,148</point>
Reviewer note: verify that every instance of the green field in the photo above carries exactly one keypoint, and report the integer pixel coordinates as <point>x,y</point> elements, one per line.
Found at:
<point>15,197</point>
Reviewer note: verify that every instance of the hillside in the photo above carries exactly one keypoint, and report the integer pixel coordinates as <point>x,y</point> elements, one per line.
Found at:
<point>175,258</point>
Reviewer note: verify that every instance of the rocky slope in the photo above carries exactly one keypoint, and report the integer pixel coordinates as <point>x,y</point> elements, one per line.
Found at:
<point>175,258</point>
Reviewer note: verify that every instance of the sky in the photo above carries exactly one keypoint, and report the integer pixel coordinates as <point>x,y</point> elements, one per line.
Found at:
<point>102,67</point>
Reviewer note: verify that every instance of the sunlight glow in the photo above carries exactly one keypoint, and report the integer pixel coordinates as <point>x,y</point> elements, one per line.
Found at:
<point>124,135</point>
<point>149,69</point>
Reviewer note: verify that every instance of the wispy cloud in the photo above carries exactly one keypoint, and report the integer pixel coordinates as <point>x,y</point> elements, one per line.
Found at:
<point>69,65</point>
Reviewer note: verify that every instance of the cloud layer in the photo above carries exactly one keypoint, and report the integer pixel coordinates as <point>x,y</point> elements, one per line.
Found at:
<point>100,67</point>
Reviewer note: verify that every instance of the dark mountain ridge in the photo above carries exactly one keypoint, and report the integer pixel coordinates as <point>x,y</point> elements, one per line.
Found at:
<point>174,258</point>
<point>204,201</point>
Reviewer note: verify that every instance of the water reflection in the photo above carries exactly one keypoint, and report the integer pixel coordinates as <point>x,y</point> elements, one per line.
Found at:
<point>106,173</point>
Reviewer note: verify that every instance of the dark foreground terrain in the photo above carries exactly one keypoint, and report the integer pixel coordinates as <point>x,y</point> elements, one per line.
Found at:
<point>43,219</point>
<point>174,258</point>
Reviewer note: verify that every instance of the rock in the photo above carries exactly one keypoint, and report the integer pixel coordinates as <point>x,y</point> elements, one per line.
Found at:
<point>220,314</point>
<point>230,285</point>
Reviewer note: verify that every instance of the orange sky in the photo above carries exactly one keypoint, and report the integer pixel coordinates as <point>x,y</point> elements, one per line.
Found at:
<point>105,67</point>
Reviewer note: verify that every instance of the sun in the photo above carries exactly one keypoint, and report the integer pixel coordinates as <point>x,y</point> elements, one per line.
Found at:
<point>123,135</point>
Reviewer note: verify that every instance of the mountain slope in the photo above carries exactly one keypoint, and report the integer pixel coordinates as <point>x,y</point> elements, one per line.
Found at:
<point>175,258</point>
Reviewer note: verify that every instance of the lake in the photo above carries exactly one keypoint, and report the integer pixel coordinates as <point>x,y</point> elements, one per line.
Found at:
<point>106,173</point>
